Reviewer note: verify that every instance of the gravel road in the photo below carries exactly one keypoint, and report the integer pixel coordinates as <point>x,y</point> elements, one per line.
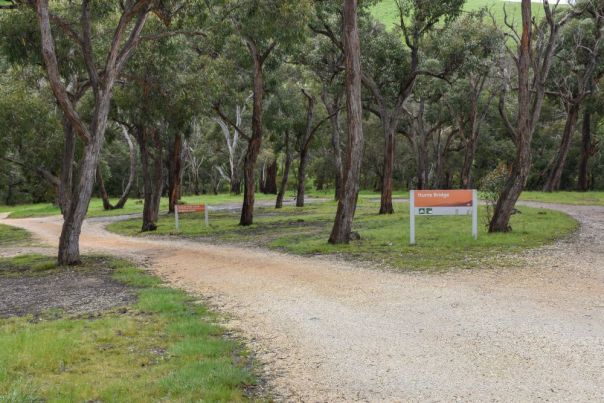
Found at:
<point>330,331</point>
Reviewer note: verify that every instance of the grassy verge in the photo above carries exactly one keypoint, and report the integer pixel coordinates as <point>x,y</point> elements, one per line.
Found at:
<point>443,242</point>
<point>11,235</point>
<point>162,347</point>
<point>574,198</point>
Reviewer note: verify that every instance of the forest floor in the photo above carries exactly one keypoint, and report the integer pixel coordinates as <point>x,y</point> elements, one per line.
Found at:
<point>327,330</point>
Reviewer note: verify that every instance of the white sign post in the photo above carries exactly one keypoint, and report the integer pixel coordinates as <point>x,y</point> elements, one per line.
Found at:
<point>442,202</point>
<point>185,208</point>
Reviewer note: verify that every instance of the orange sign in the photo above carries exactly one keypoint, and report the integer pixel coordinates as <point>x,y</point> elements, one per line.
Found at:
<point>443,198</point>
<point>186,208</point>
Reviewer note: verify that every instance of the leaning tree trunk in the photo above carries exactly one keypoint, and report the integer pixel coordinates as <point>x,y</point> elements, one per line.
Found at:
<point>102,191</point>
<point>69,242</point>
<point>152,176</point>
<point>387,183</point>
<point>586,152</point>
<point>175,174</point>
<point>530,102</point>
<point>342,227</point>
<point>92,134</point>
<point>557,166</point>
<point>286,167</point>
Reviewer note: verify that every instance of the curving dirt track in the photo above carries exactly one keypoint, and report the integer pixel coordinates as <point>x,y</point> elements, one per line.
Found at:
<point>328,331</point>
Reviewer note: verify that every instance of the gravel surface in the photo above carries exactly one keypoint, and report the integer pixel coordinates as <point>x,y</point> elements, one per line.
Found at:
<point>329,331</point>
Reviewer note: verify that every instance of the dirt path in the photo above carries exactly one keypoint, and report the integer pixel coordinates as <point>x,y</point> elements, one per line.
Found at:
<point>333,332</point>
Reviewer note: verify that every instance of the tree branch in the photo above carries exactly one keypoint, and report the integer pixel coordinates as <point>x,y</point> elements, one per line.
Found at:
<point>229,121</point>
<point>52,67</point>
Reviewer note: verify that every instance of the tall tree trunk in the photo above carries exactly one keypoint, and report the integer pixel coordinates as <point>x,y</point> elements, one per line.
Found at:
<point>586,152</point>
<point>270,180</point>
<point>468,162</point>
<point>69,241</point>
<point>175,174</point>
<point>333,109</point>
<point>255,142</point>
<point>342,226</point>
<point>387,183</point>
<point>286,167</point>
<point>304,147</point>
<point>152,176</point>
<point>92,134</point>
<point>422,163</point>
<point>236,184</point>
<point>557,166</point>
<point>301,187</point>
<point>523,137</point>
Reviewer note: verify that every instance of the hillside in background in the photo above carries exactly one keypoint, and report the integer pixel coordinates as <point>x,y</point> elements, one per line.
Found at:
<point>387,12</point>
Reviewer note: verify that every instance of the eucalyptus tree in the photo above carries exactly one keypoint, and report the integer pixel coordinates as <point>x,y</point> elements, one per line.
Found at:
<point>536,49</point>
<point>391,68</point>
<point>269,29</point>
<point>342,227</point>
<point>159,75</point>
<point>478,46</point>
<point>21,46</point>
<point>104,50</point>
<point>325,60</point>
<point>284,120</point>
<point>578,65</point>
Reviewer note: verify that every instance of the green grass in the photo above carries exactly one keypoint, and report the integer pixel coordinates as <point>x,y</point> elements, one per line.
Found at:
<point>386,11</point>
<point>133,206</point>
<point>11,235</point>
<point>165,347</point>
<point>573,198</point>
<point>443,242</point>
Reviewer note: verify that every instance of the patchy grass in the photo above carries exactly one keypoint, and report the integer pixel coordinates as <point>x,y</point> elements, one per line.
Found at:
<point>573,198</point>
<point>443,242</point>
<point>163,347</point>
<point>11,235</point>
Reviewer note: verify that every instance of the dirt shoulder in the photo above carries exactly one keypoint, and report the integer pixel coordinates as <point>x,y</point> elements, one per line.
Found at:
<point>330,331</point>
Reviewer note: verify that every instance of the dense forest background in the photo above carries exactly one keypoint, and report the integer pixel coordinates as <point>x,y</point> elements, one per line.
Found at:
<point>242,96</point>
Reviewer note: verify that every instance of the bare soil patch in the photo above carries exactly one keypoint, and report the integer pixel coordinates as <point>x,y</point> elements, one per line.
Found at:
<point>44,288</point>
